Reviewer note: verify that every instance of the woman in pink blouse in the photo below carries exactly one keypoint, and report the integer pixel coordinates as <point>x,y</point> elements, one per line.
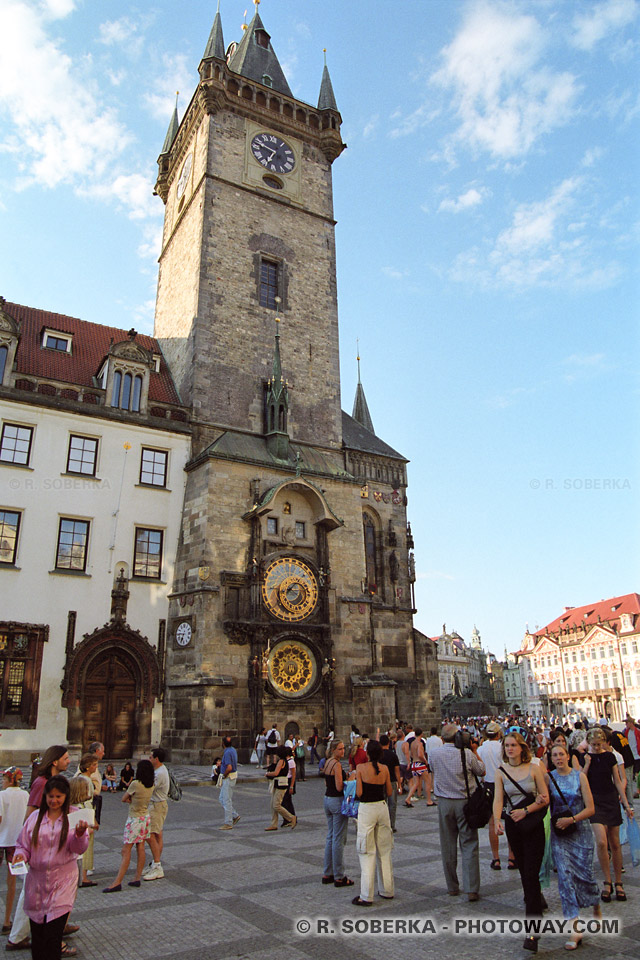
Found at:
<point>50,848</point>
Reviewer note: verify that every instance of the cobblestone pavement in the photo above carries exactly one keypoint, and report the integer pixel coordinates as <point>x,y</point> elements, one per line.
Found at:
<point>239,894</point>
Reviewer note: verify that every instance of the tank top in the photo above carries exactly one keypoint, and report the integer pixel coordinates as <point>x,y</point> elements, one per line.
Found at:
<point>372,792</point>
<point>330,783</point>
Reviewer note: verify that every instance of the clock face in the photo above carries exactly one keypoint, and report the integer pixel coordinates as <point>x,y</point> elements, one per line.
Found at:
<point>290,590</point>
<point>273,153</point>
<point>184,175</point>
<point>292,668</point>
<point>183,634</point>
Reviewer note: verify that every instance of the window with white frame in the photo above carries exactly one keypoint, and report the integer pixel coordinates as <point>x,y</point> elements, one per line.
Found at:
<point>54,340</point>
<point>73,542</point>
<point>9,530</point>
<point>147,557</point>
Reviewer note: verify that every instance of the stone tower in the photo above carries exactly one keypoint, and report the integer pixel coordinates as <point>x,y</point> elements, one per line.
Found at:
<point>293,600</point>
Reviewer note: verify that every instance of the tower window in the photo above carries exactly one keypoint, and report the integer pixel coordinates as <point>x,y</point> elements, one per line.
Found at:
<point>268,284</point>
<point>266,80</point>
<point>4,353</point>
<point>262,38</point>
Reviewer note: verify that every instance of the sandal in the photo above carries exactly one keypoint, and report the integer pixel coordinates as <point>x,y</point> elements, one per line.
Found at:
<point>343,882</point>
<point>68,951</point>
<point>407,804</point>
<point>328,879</point>
<point>358,902</point>
<point>605,895</point>
<point>495,864</point>
<point>511,865</point>
<point>573,944</point>
<point>620,894</point>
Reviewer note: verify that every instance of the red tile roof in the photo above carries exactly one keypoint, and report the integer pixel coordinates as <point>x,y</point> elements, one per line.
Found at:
<point>604,611</point>
<point>91,342</point>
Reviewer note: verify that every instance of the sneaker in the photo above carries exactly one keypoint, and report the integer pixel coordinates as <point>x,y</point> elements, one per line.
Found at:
<point>146,870</point>
<point>235,819</point>
<point>226,826</point>
<point>156,873</point>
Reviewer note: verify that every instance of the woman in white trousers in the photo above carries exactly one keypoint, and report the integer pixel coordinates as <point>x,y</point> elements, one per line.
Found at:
<point>375,839</point>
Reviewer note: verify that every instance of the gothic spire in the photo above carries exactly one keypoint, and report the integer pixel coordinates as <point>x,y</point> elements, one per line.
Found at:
<point>255,58</point>
<point>360,407</point>
<point>171,132</point>
<point>277,405</point>
<point>326,100</point>
<point>215,46</point>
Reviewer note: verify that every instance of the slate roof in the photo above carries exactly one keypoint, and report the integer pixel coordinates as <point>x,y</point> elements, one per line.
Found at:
<point>604,611</point>
<point>215,45</point>
<point>326,100</point>
<point>171,132</point>
<point>360,410</point>
<point>90,345</point>
<point>253,61</point>
<point>357,437</point>
<point>250,448</point>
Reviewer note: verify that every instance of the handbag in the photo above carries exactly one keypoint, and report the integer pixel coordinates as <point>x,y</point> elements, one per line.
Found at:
<point>479,806</point>
<point>565,812</point>
<point>350,803</point>
<point>254,757</point>
<point>529,823</point>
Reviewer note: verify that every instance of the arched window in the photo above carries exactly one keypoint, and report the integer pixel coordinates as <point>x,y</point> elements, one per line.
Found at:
<point>126,391</point>
<point>137,390</point>
<point>370,553</point>
<point>4,353</point>
<point>115,394</point>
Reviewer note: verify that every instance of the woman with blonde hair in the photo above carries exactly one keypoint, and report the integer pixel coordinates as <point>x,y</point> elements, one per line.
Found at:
<point>608,792</point>
<point>337,822</point>
<point>357,753</point>
<point>520,783</point>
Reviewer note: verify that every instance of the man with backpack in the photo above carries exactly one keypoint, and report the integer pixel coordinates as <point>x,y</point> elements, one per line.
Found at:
<point>273,741</point>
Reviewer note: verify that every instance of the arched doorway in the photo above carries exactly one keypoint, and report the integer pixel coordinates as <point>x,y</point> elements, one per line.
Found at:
<point>109,706</point>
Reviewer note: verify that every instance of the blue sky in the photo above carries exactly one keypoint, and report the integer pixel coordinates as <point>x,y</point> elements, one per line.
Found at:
<point>487,235</point>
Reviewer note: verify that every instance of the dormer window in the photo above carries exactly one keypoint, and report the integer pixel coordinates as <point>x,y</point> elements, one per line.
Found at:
<point>262,38</point>
<point>54,340</point>
<point>266,80</point>
<point>126,392</point>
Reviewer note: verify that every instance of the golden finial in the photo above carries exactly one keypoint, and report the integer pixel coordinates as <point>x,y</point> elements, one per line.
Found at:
<point>245,25</point>
<point>127,446</point>
<point>324,50</point>
<point>257,3</point>
<point>277,319</point>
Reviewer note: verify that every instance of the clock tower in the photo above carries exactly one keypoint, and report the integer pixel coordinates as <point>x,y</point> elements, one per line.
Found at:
<point>293,599</point>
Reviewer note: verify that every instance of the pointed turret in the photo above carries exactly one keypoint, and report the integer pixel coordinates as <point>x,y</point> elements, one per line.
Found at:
<point>215,46</point>
<point>171,132</point>
<point>255,59</point>
<point>326,100</point>
<point>360,407</point>
<point>277,406</point>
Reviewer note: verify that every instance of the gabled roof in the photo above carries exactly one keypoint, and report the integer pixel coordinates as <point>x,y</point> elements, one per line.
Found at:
<point>357,437</point>
<point>90,345</point>
<point>254,61</point>
<point>604,611</point>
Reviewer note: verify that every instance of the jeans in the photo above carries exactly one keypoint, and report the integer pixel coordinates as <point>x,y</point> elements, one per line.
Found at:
<point>454,829</point>
<point>226,799</point>
<point>314,753</point>
<point>336,838</point>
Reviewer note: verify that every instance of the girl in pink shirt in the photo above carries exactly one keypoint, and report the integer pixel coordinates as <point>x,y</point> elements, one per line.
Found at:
<point>50,849</point>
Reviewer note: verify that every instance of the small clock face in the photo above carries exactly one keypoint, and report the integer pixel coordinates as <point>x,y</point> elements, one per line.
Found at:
<point>290,590</point>
<point>293,669</point>
<point>183,634</point>
<point>273,153</point>
<point>184,175</point>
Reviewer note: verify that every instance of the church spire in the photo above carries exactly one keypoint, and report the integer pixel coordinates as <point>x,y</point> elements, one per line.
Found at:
<point>173,129</point>
<point>326,100</point>
<point>277,406</point>
<point>360,407</point>
<point>215,46</point>
<point>255,58</point>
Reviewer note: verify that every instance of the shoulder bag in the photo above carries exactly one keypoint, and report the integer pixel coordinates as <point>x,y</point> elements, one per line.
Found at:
<point>479,806</point>
<point>531,821</point>
<point>565,812</point>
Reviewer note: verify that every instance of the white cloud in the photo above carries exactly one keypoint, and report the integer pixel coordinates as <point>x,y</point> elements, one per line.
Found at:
<point>394,274</point>
<point>465,201</point>
<point>534,224</point>
<point>173,75</point>
<point>600,20</point>
<point>370,126</point>
<point>57,9</point>
<point>63,130</point>
<point>504,97</point>
<point>117,31</point>
<point>132,191</point>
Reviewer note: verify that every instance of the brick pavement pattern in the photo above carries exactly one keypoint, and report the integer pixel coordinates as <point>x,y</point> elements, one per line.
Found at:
<point>237,894</point>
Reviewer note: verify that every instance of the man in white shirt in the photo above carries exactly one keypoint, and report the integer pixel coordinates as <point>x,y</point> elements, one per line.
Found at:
<point>158,806</point>
<point>490,752</point>
<point>272,743</point>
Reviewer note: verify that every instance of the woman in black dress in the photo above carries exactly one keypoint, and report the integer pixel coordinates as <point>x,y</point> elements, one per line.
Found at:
<point>608,792</point>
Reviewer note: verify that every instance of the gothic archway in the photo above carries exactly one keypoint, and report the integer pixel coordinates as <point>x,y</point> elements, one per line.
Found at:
<point>111,681</point>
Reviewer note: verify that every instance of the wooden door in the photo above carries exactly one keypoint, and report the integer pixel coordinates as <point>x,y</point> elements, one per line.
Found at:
<point>109,706</point>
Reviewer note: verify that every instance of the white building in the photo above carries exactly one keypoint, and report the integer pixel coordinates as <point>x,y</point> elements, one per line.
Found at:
<point>93,444</point>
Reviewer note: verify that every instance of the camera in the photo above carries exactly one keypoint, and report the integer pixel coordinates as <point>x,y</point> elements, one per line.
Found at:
<point>462,739</point>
